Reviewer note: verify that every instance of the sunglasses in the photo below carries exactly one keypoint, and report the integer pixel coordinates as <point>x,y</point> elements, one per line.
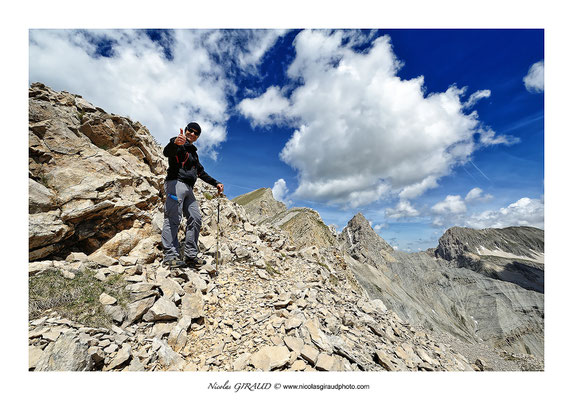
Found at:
<point>193,133</point>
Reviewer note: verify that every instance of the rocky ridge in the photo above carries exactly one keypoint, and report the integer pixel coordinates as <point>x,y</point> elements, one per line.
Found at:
<point>260,204</point>
<point>464,290</point>
<point>303,224</point>
<point>269,305</point>
<point>444,296</point>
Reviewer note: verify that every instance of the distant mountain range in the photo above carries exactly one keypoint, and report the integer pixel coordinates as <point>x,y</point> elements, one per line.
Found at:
<point>477,285</point>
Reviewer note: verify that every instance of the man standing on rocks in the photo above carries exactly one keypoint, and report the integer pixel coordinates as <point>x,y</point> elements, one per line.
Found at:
<point>182,173</point>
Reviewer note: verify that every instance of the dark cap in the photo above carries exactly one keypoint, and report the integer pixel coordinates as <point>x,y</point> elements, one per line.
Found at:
<point>193,127</point>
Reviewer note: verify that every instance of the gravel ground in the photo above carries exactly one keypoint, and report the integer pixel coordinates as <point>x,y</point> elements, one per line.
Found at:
<point>494,360</point>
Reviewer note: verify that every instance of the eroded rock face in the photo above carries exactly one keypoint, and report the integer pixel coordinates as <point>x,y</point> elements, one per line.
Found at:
<point>92,174</point>
<point>465,302</point>
<point>514,254</point>
<point>361,244</point>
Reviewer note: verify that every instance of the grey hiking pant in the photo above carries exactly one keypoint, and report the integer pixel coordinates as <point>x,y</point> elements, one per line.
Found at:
<point>180,200</point>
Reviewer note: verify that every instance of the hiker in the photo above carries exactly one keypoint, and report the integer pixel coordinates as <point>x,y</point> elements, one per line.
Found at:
<point>182,173</point>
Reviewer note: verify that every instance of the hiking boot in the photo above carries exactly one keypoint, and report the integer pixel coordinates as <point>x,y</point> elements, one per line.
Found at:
<point>194,262</point>
<point>174,263</point>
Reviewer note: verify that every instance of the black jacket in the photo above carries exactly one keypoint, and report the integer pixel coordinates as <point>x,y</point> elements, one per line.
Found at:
<point>184,164</point>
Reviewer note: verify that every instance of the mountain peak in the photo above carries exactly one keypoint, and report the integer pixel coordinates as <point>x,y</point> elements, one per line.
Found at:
<point>362,242</point>
<point>260,204</point>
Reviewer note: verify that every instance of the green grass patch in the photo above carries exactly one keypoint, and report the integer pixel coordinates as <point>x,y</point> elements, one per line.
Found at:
<point>76,299</point>
<point>208,196</point>
<point>334,281</point>
<point>270,270</point>
<point>324,266</point>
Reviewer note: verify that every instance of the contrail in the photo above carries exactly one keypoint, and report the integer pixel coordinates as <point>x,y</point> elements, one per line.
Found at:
<point>471,176</point>
<point>480,171</point>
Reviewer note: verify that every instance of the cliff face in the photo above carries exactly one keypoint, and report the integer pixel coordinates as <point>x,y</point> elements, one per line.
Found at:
<point>514,254</point>
<point>91,175</point>
<point>362,243</point>
<point>446,292</point>
<point>100,299</point>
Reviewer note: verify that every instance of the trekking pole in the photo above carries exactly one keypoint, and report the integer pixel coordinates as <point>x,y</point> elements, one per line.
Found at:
<point>217,254</point>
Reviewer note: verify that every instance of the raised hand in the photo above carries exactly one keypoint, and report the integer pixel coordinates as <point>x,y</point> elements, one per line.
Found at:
<point>180,140</point>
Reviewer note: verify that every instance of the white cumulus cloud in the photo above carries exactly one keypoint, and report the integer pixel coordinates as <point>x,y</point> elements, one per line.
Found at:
<point>402,210</point>
<point>524,212</point>
<point>280,191</point>
<point>450,205</point>
<point>136,78</point>
<point>361,133</point>
<point>534,80</point>
<point>476,194</point>
<point>269,107</point>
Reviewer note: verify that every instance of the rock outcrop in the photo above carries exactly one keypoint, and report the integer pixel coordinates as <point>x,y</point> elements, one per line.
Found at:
<point>443,296</point>
<point>91,175</point>
<point>361,244</point>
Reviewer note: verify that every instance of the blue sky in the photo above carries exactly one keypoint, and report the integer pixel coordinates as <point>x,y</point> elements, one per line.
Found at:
<point>419,130</point>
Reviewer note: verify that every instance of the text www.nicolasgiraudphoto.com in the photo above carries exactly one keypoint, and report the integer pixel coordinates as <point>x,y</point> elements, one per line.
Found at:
<point>312,386</point>
<point>255,386</point>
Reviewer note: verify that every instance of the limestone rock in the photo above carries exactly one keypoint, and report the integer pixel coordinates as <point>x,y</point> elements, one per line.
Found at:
<point>34,355</point>
<point>117,313</point>
<point>65,354</point>
<point>40,198</point>
<point>318,337</point>
<point>294,343</point>
<point>167,357</point>
<point>178,335</point>
<point>192,305</point>
<point>325,362</point>
<point>263,275</point>
<point>68,141</point>
<point>270,357</point>
<point>102,259</point>
<point>292,323</point>
<point>384,360</point>
<point>136,365</point>
<point>163,310</point>
<point>136,309</point>
<point>241,362</point>
<point>298,365</point>
<point>106,299</point>
<point>72,257</point>
<point>122,357</point>
<point>309,353</point>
